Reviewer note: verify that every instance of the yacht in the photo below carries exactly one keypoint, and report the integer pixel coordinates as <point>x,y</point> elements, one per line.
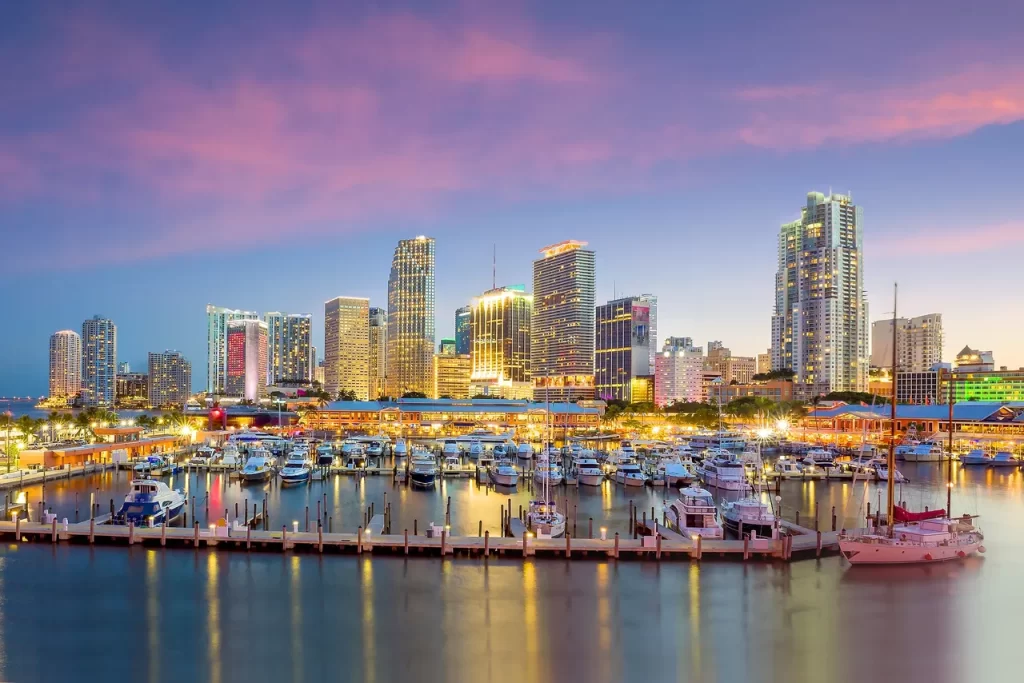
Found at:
<point>552,473</point>
<point>325,455</point>
<point>625,452</point>
<point>630,474</point>
<point>976,457</point>
<point>204,456</point>
<point>150,503</point>
<point>881,469</point>
<point>713,453</point>
<point>588,471</point>
<point>399,450</point>
<point>728,441</point>
<point>694,514</point>
<point>699,442</point>
<point>355,457</point>
<point>525,451</point>
<point>924,452</point>
<point>503,472</point>
<point>297,468</point>
<point>452,461</point>
<point>545,520</point>
<point>1004,459</point>
<point>154,466</point>
<point>375,448</point>
<point>723,473</point>
<point>820,457</point>
<point>504,450</point>
<point>257,467</point>
<point>423,468</point>
<point>475,448</point>
<point>914,538</point>
<point>755,516</point>
<point>229,457</point>
<point>671,470</point>
<point>451,447</point>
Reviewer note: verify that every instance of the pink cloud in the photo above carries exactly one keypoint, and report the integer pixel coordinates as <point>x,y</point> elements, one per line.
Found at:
<point>946,241</point>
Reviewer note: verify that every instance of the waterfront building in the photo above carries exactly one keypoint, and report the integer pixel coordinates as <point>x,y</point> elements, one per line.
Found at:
<point>463,330</point>
<point>652,332</point>
<point>773,390</point>
<point>969,360</point>
<point>764,362</point>
<point>410,341</point>
<point>819,327</point>
<point>446,347</point>
<point>217,319</point>
<point>918,342</point>
<point>1002,385</point>
<point>678,373</point>
<point>500,333</point>
<point>289,347</point>
<point>65,365</point>
<point>347,346</point>
<point>132,390</point>
<point>562,323</point>
<point>622,346</point>
<point>919,387</point>
<point>170,380</point>
<point>451,375</point>
<point>99,361</point>
<point>246,359</point>
<point>378,352</point>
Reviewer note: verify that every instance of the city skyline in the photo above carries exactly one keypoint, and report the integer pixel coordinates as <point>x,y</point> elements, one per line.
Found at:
<point>183,163</point>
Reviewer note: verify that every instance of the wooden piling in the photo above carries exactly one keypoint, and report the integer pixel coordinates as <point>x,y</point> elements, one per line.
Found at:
<point>746,547</point>
<point>163,533</point>
<point>53,532</point>
<point>700,549</point>
<point>818,547</point>
<point>266,520</point>
<point>131,532</point>
<point>195,535</point>
<point>816,515</point>
<point>615,554</point>
<point>444,536</point>
<point>487,542</point>
<point>480,528</point>
<point>17,529</point>
<point>833,518</point>
<point>330,524</point>
<point>284,538</point>
<point>406,541</point>
<point>657,552</point>
<point>590,527</point>
<point>307,519</point>
<point>568,546</point>
<point>92,531</point>
<point>415,527</point>
<point>248,537</point>
<point>525,545</point>
<point>319,536</point>
<point>359,541</point>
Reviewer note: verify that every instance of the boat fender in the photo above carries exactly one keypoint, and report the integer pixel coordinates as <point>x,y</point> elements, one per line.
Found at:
<point>981,548</point>
<point>928,556</point>
<point>962,554</point>
<point>903,537</point>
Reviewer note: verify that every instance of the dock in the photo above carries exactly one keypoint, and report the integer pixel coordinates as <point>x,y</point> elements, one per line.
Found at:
<point>21,478</point>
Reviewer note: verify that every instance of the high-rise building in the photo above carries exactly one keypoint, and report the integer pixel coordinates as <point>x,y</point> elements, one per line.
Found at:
<point>132,390</point>
<point>378,351</point>
<point>170,379</point>
<point>246,359</point>
<point>732,369</point>
<point>623,347</point>
<point>500,333</point>
<point>652,304</point>
<point>347,346</point>
<point>972,360</point>
<point>411,322</point>
<point>562,324</point>
<point>820,328</point>
<point>764,362</point>
<point>446,346</point>
<point>217,319</point>
<point>451,376</point>
<point>99,361</point>
<point>678,373</point>
<point>918,343</point>
<point>65,365</point>
<point>289,347</point>
<point>318,373</point>
<point>463,330</point>
<point>124,367</point>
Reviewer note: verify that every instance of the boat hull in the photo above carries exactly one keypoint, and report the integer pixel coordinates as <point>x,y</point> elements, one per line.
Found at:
<point>289,479</point>
<point>590,479</point>
<point>864,553</point>
<point>423,479</point>
<point>254,477</point>
<point>922,457</point>
<point>509,480</point>
<point>762,529</point>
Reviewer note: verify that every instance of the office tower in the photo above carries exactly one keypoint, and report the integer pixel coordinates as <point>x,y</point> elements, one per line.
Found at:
<point>446,347</point>
<point>739,369</point>
<point>764,362</point>
<point>410,344</point>
<point>562,324</point>
<point>170,379</point>
<point>918,343</point>
<point>378,352</point>
<point>99,361</point>
<point>318,373</point>
<point>451,375</point>
<point>500,333</point>
<point>623,347</point>
<point>289,347</point>
<point>678,373</point>
<point>972,360</point>
<point>347,346</point>
<point>820,329</point>
<point>652,304</point>
<point>246,359</point>
<point>65,364</point>
<point>463,330</point>
<point>124,367</point>
<point>217,319</point>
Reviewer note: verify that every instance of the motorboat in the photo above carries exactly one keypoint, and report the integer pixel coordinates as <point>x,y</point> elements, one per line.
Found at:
<point>475,449</point>
<point>588,471</point>
<point>720,453</point>
<point>204,456</point>
<point>525,451</point>
<point>976,457</point>
<point>905,447</point>
<point>375,448</point>
<point>625,452</point>
<point>820,457</point>
<point>257,467</point>
<point>450,447</point>
<point>881,469</point>
<point>723,473</point>
<point>399,451</point>
<point>150,503</point>
<point>924,452</point>
<point>1004,459</point>
<point>297,468</point>
<point>155,466</point>
<point>423,468</point>
<point>452,462</point>
<point>921,537</point>
<point>325,455</point>
<point>694,514</point>
<point>630,474</point>
<point>504,450</point>
<point>550,472</point>
<point>503,473</point>
<point>750,515</point>
<point>728,441</point>
<point>356,456</point>
<point>229,457</point>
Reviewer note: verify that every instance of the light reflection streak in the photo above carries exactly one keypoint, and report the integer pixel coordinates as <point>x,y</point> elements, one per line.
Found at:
<point>213,618</point>
<point>530,619</point>
<point>295,588</point>
<point>695,646</point>
<point>152,616</point>
<point>604,628</point>
<point>369,636</point>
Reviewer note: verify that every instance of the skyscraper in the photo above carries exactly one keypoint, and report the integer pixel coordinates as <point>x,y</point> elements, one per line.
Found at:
<point>819,329</point>
<point>217,319</point>
<point>678,373</point>
<point>562,324</point>
<point>289,347</point>
<point>652,304</point>
<point>918,343</point>
<point>378,351</point>
<point>170,379</point>
<point>347,346</point>
<point>246,359</point>
<point>99,361</point>
<point>623,347</point>
<point>463,330</point>
<point>65,364</point>
<point>410,351</point>
<point>451,375</point>
<point>500,333</point>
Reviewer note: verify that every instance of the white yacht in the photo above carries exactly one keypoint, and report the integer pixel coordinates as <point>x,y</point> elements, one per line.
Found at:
<point>355,456</point>
<point>694,514</point>
<point>728,441</point>
<point>723,473</point>
<point>544,470</point>
<point>375,448</point>
<point>506,449</point>
<point>630,474</point>
<point>423,467</point>
<point>525,451</point>
<point>297,468</point>
<point>399,450</point>
<point>229,457</point>
<point>450,447</point>
<point>257,467</point>
<point>928,451</point>
<point>588,472</point>
<point>503,472</point>
<point>204,456</point>
<point>325,455</point>
<point>150,503</point>
<point>820,457</point>
<point>475,449</point>
<point>154,466</point>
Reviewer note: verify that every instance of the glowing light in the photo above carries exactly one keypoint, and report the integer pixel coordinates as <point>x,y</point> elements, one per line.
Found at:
<point>295,525</point>
<point>764,433</point>
<point>782,425</point>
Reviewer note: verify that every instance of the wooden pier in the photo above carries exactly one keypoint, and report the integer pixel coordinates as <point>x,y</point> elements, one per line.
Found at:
<point>22,478</point>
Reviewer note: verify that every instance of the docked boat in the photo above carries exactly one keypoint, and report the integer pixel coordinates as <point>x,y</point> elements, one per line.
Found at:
<point>204,456</point>
<point>297,468</point>
<point>257,467</point>
<point>155,466</point>
<point>505,449</point>
<point>624,453</point>
<point>325,455</point>
<point>976,457</point>
<point>1004,459</point>
<point>694,514</point>
<point>549,473</point>
<point>525,451</point>
<point>723,473</point>
<point>229,457</point>
<point>629,474</point>
<point>545,520</point>
<point>399,450</point>
<point>475,449</point>
<point>452,462</point>
<point>375,448</point>
<point>355,457</point>
<point>751,515</point>
<point>881,469</point>
<point>925,452</point>
<point>503,473</point>
<point>150,503</point>
<point>588,471</point>
<point>450,447</point>
<point>728,441</point>
<point>423,468</point>
<point>819,457</point>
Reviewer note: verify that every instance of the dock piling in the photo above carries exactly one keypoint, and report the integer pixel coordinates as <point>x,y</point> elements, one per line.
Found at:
<point>359,541</point>
<point>746,547</point>
<point>590,527</point>
<point>657,552</point>
<point>833,518</point>
<point>568,546</point>
<point>319,537</point>
<point>17,529</point>
<point>195,535</point>
<point>480,528</point>
<point>307,519</point>
<point>163,533</point>
<point>700,548</point>
<point>818,547</point>
<point>616,552</point>
<point>248,537</point>
<point>284,538</point>
<point>444,536</point>
<point>53,532</point>
<point>92,531</point>
<point>406,541</point>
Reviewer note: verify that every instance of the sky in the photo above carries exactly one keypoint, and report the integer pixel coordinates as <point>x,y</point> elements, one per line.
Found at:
<point>156,157</point>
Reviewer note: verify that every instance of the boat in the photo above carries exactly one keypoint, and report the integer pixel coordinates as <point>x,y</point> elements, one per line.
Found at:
<point>503,473</point>
<point>881,469</point>
<point>257,467</point>
<point>549,473</point>
<point>229,457</point>
<point>375,448</point>
<point>906,537</point>
<point>423,468</point>
<point>724,473</point>
<point>671,470</point>
<point>204,456</point>
<point>750,514</point>
<point>297,468</point>
<point>475,449</point>
<point>525,451</point>
<point>150,503</point>
<point>355,457</point>
<point>399,450</point>
<point>694,514</point>
<point>624,453</point>
<point>629,474</point>
<point>588,471</point>
<point>925,452</point>
<point>1004,459</point>
<point>325,455</point>
<point>543,517</point>
<point>819,457</point>
<point>728,441</point>
<point>450,447</point>
<point>713,453</point>
<point>155,466</point>
<point>976,457</point>
<point>452,462</point>
<point>506,449</point>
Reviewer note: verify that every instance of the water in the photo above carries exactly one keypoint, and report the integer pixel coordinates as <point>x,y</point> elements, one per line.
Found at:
<point>108,613</point>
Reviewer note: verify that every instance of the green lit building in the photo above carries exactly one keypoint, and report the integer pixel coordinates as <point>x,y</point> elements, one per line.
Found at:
<point>1001,386</point>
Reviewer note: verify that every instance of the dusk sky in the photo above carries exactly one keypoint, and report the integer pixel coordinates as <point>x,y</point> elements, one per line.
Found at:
<point>268,156</point>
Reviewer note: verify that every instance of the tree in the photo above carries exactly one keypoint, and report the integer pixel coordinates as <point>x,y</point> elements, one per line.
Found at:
<point>347,395</point>
<point>414,394</point>
<point>855,397</point>
<point>480,397</point>
<point>784,374</point>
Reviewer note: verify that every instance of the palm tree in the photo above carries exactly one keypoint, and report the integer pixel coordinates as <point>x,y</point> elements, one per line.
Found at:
<point>83,424</point>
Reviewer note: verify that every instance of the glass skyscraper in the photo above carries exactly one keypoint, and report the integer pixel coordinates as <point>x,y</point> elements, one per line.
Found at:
<point>347,346</point>
<point>289,347</point>
<point>217,319</point>
<point>501,342</point>
<point>170,379</point>
<point>410,349</point>
<point>246,359</point>
<point>463,330</point>
<point>624,347</point>
<point>99,361</point>
<point>65,364</point>
<point>378,351</point>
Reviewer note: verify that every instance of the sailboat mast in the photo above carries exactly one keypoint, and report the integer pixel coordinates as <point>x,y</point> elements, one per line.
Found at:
<point>949,462</point>
<point>890,489</point>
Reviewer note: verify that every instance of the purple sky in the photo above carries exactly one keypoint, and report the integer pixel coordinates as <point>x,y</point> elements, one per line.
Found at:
<point>268,156</point>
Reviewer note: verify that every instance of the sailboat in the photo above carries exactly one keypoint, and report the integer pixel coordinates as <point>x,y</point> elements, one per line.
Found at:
<point>911,537</point>
<point>544,518</point>
<point>750,513</point>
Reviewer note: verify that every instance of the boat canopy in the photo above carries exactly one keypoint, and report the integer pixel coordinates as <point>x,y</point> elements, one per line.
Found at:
<point>901,514</point>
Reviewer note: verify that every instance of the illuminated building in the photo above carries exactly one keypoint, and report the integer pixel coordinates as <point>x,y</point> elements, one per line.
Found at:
<point>132,390</point>
<point>773,390</point>
<point>410,343</point>
<point>65,365</point>
<point>562,324</point>
<point>1002,385</point>
<point>970,360</point>
<point>451,375</point>
<point>289,347</point>
<point>500,334</point>
<point>446,347</point>
<point>217,320</point>
<point>378,351</point>
<point>819,328</point>
<point>463,330</point>
<point>124,367</point>
<point>99,361</point>
<point>623,347</point>
<point>170,379</point>
<point>740,369</point>
<point>318,373</point>
<point>678,373</point>
<point>918,343</point>
<point>347,346</point>
<point>246,359</point>
<point>764,362</point>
